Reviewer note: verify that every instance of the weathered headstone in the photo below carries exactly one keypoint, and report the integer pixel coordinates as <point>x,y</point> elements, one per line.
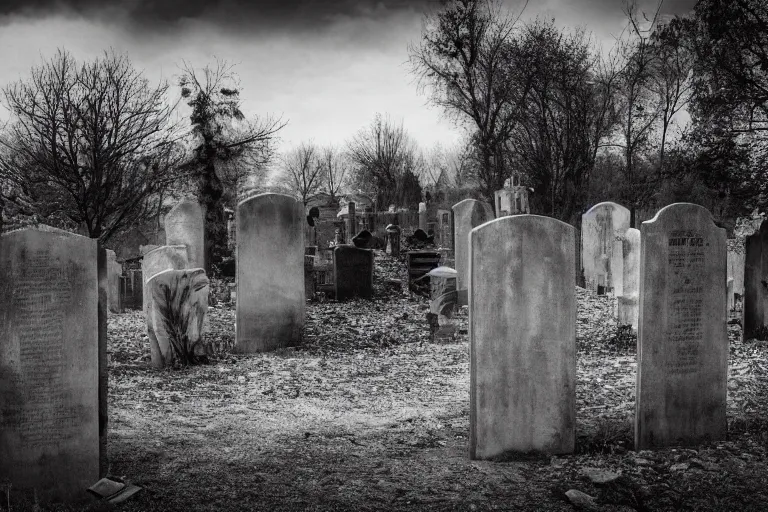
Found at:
<point>423,216</point>
<point>522,325</point>
<point>270,273</point>
<point>165,257</point>
<point>467,215</point>
<point>176,315</point>
<point>682,340</point>
<point>352,272</point>
<point>114,270</point>
<point>52,362</point>
<point>629,300</point>
<point>729,294</point>
<point>351,222</point>
<point>600,227</point>
<point>756,284</point>
<point>393,240</point>
<point>185,225</point>
<point>736,264</point>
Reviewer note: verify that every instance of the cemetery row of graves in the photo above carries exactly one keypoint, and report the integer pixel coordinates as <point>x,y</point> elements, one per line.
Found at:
<point>516,274</point>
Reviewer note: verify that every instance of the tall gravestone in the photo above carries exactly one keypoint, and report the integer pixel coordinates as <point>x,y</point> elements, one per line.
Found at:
<point>601,258</point>
<point>522,325</point>
<point>114,270</point>
<point>270,273</point>
<point>736,264</point>
<point>467,215</point>
<point>682,340</point>
<point>52,362</point>
<point>176,315</point>
<point>352,272</point>
<point>756,283</point>
<point>165,257</point>
<point>628,302</point>
<point>185,225</point>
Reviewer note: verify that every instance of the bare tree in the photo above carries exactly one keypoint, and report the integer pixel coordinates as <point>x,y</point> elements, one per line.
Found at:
<point>386,158</point>
<point>478,73</point>
<point>223,138</point>
<point>88,144</point>
<point>335,165</point>
<point>303,170</point>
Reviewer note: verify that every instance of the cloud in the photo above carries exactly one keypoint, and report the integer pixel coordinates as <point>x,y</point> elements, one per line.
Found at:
<point>240,15</point>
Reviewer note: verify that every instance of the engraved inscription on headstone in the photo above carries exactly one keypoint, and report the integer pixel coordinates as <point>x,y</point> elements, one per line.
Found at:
<point>682,339</point>
<point>49,362</point>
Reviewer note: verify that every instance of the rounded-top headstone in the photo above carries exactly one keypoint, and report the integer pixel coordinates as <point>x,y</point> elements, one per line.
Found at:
<point>185,225</point>
<point>682,339</point>
<point>601,230</point>
<point>270,273</point>
<point>467,215</point>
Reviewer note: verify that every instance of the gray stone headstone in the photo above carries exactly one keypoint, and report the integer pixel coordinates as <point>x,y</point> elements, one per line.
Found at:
<point>165,257</point>
<point>682,340</point>
<point>185,225</point>
<point>176,316</point>
<point>522,328</point>
<point>270,273</point>
<point>52,362</point>
<point>601,226</point>
<point>736,264</point>
<point>114,270</point>
<point>628,302</point>
<point>352,272</point>
<point>467,215</point>
<point>756,283</point>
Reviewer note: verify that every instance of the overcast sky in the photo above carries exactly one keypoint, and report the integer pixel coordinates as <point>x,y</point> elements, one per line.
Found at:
<point>325,66</point>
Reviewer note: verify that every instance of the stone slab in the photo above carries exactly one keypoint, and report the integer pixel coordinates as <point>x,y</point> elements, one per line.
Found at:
<point>600,228</point>
<point>736,263</point>
<point>628,302</point>
<point>682,339</point>
<point>522,325</point>
<point>352,272</point>
<point>165,257</point>
<point>756,283</point>
<point>114,270</point>
<point>52,346</point>
<point>466,215</point>
<point>270,273</point>
<point>176,316</point>
<point>185,225</point>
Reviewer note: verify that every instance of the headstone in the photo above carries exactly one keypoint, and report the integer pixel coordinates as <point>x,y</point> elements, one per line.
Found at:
<point>442,303</point>
<point>600,227</point>
<point>352,272</point>
<point>467,214</point>
<point>165,257</point>
<point>393,240</point>
<point>185,225</point>
<point>52,362</point>
<point>736,264</point>
<point>756,284</point>
<point>682,340</point>
<point>114,271</point>
<point>270,273</point>
<point>351,222</point>
<point>522,328</point>
<point>423,216</point>
<point>729,294</point>
<point>629,300</point>
<point>176,315</point>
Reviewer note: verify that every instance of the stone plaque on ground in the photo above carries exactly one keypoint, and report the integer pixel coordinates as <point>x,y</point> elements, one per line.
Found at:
<point>176,315</point>
<point>50,364</point>
<point>467,214</point>
<point>522,328</point>
<point>270,273</point>
<point>756,284</point>
<point>352,272</point>
<point>185,225</point>
<point>165,257</point>
<point>628,302</point>
<point>114,270</point>
<point>682,340</point>
<point>600,227</point>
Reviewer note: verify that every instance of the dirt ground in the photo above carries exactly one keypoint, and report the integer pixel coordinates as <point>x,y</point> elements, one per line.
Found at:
<point>369,415</point>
